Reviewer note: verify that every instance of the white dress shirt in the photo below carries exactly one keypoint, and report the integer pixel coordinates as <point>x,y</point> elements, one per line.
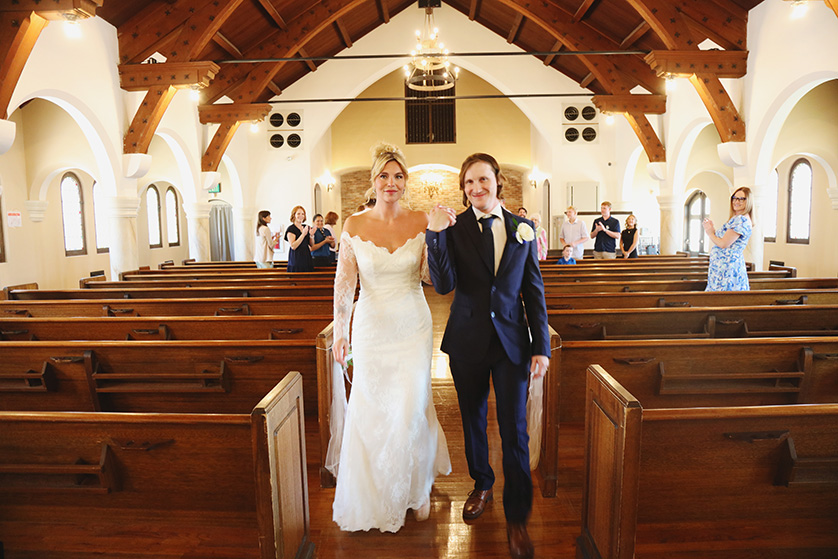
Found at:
<point>498,230</point>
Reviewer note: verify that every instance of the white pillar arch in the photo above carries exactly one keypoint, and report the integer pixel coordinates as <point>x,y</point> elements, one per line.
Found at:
<point>197,219</point>
<point>672,223</point>
<point>245,232</point>
<point>123,252</point>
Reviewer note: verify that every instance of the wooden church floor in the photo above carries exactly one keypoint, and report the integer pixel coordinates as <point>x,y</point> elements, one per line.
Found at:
<point>553,526</point>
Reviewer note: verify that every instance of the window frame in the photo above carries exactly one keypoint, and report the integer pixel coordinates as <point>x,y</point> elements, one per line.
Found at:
<point>99,250</point>
<point>83,250</point>
<point>789,238</point>
<point>773,239</point>
<point>177,217</point>
<point>704,213</point>
<point>416,100</point>
<point>159,220</point>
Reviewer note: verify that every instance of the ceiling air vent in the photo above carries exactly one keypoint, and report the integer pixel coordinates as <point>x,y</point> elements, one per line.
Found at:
<point>285,129</point>
<point>277,140</point>
<point>579,123</point>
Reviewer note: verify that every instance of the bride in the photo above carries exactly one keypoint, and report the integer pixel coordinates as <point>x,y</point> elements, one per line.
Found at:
<point>392,447</point>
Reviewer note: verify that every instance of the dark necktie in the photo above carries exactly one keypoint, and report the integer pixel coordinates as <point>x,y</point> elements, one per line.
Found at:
<point>488,240</point>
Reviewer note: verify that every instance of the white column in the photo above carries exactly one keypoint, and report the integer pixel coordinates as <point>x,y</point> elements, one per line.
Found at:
<point>197,219</point>
<point>672,224</point>
<point>245,232</point>
<point>755,249</point>
<point>123,252</point>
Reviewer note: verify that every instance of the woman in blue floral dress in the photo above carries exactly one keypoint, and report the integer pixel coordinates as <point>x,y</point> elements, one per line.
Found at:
<point>727,263</point>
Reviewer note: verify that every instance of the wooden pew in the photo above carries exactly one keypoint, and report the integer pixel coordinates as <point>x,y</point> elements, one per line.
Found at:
<point>268,327</point>
<point>684,299</point>
<point>617,285</point>
<point>207,282</point>
<point>226,486</point>
<point>198,306</point>
<point>696,322</point>
<point>720,481</point>
<point>172,273</point>
<point>767,371</point>
<point>225,376</point>
<point>644,275</point>
<point>128,292</point>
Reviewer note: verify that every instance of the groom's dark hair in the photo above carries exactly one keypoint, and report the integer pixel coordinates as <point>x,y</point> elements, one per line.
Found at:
<point>477,158</point>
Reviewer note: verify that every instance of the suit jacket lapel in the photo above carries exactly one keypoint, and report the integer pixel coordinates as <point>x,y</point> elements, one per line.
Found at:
<point>512,243</point>
<point>472,228</point>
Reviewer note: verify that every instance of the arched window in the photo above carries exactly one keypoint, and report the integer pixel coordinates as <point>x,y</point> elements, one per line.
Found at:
<point>800,202</point>
<point>769,213</point>
<point>172,222</point>
<point>72,211</point>
<point>695,210</point>
<point>152,202</point>
<point>101,222</point>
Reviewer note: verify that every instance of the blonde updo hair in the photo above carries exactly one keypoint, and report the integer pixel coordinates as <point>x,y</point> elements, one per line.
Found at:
<point>382,154</point>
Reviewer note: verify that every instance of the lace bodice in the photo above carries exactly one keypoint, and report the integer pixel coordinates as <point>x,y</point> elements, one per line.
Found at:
<point>379,270</point>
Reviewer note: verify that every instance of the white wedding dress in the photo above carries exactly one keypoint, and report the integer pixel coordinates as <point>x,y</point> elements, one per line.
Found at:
<point>392,447</point>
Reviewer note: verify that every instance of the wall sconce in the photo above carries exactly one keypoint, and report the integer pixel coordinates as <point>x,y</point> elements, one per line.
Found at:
<point>609,118</point>
<point>798,9</point>
<point>72,27</point>
<point>328,181</point>
<point>254,126</point>
<point>670,83</point>
<point>195,94</point>
<point>536,177</point>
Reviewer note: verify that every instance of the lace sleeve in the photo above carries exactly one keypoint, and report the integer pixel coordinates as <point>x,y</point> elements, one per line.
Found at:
<point>346,278</point>
<point>424,270</point>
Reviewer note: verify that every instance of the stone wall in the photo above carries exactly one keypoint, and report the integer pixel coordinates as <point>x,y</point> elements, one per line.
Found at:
<point>425,188</point>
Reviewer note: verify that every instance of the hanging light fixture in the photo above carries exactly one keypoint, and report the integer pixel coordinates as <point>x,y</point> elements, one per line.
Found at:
<point>429,69</point>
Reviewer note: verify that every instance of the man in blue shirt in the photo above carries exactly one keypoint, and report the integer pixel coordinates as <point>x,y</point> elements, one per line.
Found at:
<point>606,231</point>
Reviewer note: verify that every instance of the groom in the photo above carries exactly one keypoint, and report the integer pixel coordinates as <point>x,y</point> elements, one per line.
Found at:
<point>497,328</point>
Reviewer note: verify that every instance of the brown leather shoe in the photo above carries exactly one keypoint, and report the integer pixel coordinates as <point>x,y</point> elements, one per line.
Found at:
<point>476,503</point>
<point>520,546</point>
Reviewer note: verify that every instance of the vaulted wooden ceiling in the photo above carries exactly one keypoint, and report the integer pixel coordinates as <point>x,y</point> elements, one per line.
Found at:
<point>195,34</point>
<point>308,28</point>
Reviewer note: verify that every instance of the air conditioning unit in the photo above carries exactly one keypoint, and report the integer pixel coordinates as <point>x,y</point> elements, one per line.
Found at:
<point>580,124</point>
<point>285,129</point>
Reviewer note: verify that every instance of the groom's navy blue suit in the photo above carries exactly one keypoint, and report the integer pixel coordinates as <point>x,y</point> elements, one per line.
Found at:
<point>497,322</point>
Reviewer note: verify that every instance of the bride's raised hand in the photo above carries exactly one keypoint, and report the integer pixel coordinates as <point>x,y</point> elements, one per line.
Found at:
<point>441,217</point>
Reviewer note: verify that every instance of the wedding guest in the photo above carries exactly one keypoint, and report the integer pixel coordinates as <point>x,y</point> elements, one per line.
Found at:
<point>263,252</point>
<point>629,238</point>
<point>567,256</point>
<point>299,242</point>
<point>727,270</point>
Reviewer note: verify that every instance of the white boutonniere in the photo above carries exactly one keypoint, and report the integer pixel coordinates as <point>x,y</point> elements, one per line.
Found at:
<point>523,232</point>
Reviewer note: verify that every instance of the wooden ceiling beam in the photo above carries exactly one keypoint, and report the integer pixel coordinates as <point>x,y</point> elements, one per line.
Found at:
<point>222,41</point>
<point>139,34</point>
<point>550,57</point>
<point>55,9</point>
<point>516,26</point>
<point>274,14</point>
<point>383,10</point>
<point>683,64</point>
<point>230,112</point>
<point>19,31</point>
<point>244,83</point>
<point>635,35</point>
<point>344,34</point>
<point>275,89</point>
<point>832,5</point>
<point>147,119</point>
<point>310,63</point>
<point>140,77</point>
<point>587,80</point>
<point>582,11</point>
<point>220,141</point>
<point>473,9</point>
<point>632,103</point>
<point>583,37</point>
<point>654,148</point>
<point>729,124</point>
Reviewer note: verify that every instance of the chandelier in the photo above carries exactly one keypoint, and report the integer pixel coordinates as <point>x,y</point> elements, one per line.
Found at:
<point>430,70</point>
